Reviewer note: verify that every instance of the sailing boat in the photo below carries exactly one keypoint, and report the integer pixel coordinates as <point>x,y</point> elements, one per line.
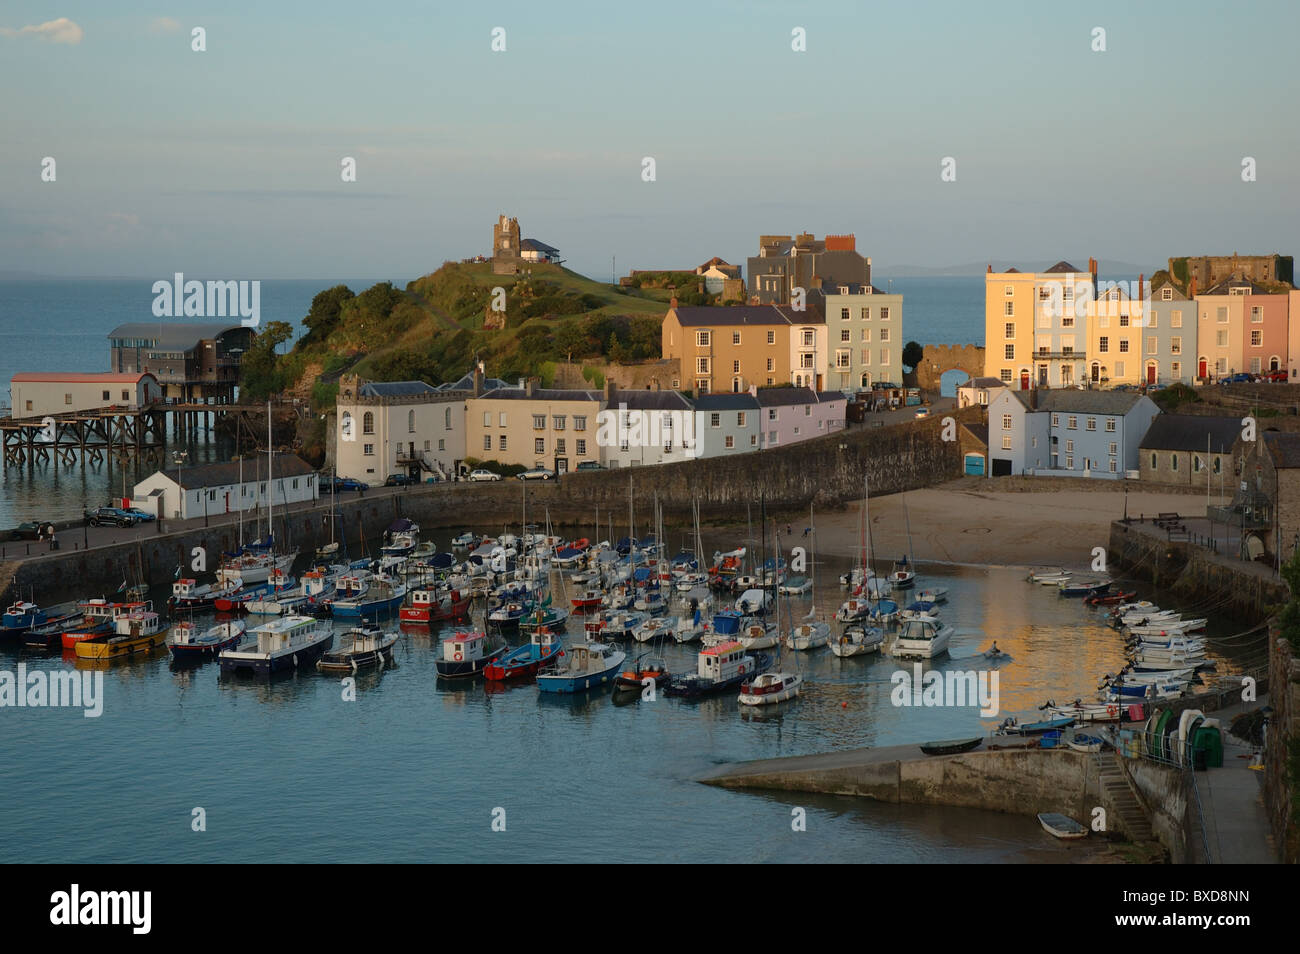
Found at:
<point>755,633</point>
<point>903,576</point>
<point>857,638</point>
<point>812,632</point>
<point>255,562</point>
<point>769,688</point>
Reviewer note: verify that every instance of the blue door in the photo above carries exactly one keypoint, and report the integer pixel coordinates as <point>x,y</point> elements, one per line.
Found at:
<point>974,465</point>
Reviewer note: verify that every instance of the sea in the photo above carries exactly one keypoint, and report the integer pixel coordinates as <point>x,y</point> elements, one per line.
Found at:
<point>184,765</point>
<point>63,325</point>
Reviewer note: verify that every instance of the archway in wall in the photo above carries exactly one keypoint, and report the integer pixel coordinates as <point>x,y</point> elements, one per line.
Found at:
<point>951,380</point>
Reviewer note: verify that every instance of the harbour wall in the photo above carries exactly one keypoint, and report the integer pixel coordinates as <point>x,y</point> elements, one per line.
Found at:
<point>1164,794</point>
<point>1279,743</point>
<point>1250,590</point>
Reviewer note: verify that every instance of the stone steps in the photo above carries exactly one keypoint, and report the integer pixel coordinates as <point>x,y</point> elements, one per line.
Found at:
<point>1123,801</point>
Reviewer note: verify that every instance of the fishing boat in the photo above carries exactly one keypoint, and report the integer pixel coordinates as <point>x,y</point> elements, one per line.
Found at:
<point>138,631</point>
<point>98,619</point>
<point>428,606</point>
<point>401,539</point>
<point>586,666</point>
<point>1083,587</point>
<point>922,637</point>
<point>857,640</point>
<point>312,591</point>
<point>188,644</point>
<point>281,645</point>
<point>381,597</point>
<point>362,647</point>
<point>719,669</point>
<point>466,654</point>
<point>588,601</point>
<point>646,671</point>
<point>769,688</point>
<point>543,617</point>
<point>951,746</point>
<point>187,594</point>
<point>278,582</point>
<point>808,635</point>
<point>23,616</point>
<point>506,617</point>
<point>543,648</point>
<point>1061,826</point>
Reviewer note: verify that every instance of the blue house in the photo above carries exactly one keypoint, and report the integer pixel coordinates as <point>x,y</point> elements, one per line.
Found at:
<point>1067,432</point>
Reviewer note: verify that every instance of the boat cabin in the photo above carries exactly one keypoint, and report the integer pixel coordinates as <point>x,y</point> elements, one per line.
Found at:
<point>280,634</point>
<point>920,629</point>
<point>184,632</point>
<point>724,661</point>
<point>352,586</point>
<point>464,647</point>
<point>138,623</point>
<point>313,582</point>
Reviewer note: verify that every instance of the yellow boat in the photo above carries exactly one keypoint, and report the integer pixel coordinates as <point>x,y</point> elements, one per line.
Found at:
<point>137,632</point>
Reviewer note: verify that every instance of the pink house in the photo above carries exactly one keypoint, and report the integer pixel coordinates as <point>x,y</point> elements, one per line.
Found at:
<point>788,415</point>
<point>1265,346</point>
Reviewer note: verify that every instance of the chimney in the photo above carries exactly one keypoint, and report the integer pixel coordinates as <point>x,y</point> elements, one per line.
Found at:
<point>1191,291</point>
<point>611,391</point>
<point>478,380</point>
<point>1142,284</point>
<point>530,387</point>
<point>1033,398</point>
<point>672,302</point>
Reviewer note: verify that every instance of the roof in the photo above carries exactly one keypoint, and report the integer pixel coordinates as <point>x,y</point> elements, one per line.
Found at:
<point>1283,448</point>
<point>172,335</point>
<point>542,394</point>
<point>699,315</point>
<point>87,377</point>
<point>841,243</point>
<point>1061,268</point>
<point>1235,281</point>
<point>725,401</point>
<point>532,245</point>
<point>395,388</point>
<point>984,383</point>
<point>1082,402</point>
<point>979,430</point>
<point>227,474</point>
<point>467,384</point>
<point>781,396</point>
<point>1189,432</point>
<point>643,400</point>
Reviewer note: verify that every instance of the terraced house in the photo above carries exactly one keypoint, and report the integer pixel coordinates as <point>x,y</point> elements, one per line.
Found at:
<point>1115,326</point>
<point>533,426</point>
<point>864,327</point>
<point>734,348</point>
<point>1169,336</point>
<point>1034,332</point>
<point>1067,432</point>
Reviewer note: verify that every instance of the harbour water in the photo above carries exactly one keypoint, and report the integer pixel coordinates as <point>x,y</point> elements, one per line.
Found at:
<point>413,769</point>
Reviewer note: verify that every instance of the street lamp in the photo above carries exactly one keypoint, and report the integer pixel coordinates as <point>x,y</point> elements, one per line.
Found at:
<point>179,458</point>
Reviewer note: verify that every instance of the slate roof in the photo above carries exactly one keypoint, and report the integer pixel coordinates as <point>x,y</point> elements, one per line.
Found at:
<point>780,397</point>
<point>543,394</point>
<point>703,316</point>
<point>1235,281</point>
<point>1061,268</point>
<point>227,474</point>
<point>395,388</point>
<point>1188,432</point>
<point>467,384</point>
<point>725,401</point>
<point>532,245</point>
<point>643,400</point>
<point>172,335</point>
<point>1072,400</point>
<point>984,383</point>
<point>1284,448</point>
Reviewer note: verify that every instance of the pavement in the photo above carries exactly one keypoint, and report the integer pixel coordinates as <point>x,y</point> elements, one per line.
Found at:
<point>1232,799</point>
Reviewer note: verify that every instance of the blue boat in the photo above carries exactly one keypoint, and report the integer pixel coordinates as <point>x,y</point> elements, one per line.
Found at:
<point>22,616</point>
<point>726,624</point>
<point>380,597</point>
<point>1012,727</point>
<point>585,667</point>
<point>539,652</point>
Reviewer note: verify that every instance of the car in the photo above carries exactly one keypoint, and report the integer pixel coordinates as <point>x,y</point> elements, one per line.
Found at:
<point>922,412</point>
<point>590,465</point>
<point>1241,377</point>
<point>144,516</point>
<point>537,473</point>
<point>109,517</point>
<point>1276,377</point>
<point>400,480</point>
<point>351,483</point>
<point>33,530</point>
<point>477,475</point>
<point>328,483</point>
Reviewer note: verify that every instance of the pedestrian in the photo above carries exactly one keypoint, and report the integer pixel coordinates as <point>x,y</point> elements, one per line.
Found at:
<point>787,530</point>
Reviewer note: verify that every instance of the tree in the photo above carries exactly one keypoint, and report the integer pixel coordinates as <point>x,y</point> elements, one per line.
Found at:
<point>323,317</point>
<point>913,354</point>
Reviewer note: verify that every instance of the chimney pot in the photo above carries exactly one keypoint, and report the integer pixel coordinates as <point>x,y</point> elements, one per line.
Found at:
<point>672,302</point>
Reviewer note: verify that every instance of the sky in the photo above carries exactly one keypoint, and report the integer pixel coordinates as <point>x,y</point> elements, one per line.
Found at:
<point>226,163</point>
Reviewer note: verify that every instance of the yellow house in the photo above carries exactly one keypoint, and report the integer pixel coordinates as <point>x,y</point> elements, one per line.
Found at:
<point>732,348</point>
<point>1115,326</point>
<point>532,426</point>
<point>1035,325</point>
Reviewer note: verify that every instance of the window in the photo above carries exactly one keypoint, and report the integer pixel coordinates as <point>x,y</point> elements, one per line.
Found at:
<point>1166,294</point>
<point>67,399</point>
<point>559,445</point>
<point>501,442</point>
<point>1176,369</point>
<point>865,314</point>
<point>1196,463</point>
<point>805,361</point>
<point>1151,344</point>
<point>807,410</point>
<point>1009,309</point>
<point>753,440</point>
<point>582,446</point>
<point>1110,425</point>
<point>1009,352</point>
<point>715,419</point>
<point>771,337</point>
<point>426,445</point>
<point>557,422</point>
<point>1119,369</point>
<point>1092,424</point>
<point>866,356</point>
<point>1155,462</point>
<point>1221,314</point>
<point>1254,365</point>
<point>735,367</point>
<point>845,334</point>
<point>844,314</point>
<point>1004,375</point>
<point>487,418</point>
<point>1009,330</point>
<point>809,338</point>
<point>1173,462</point>
<point>729,442</point>
<point>580,422</point>
<point>1006,442</point>
<point>1006,422</point>
<point>771,414</point>
<point>1114,466</point>
<point>1056,420</point>
<point>866,335</point>
<point>735,337</point>
<point>1151,319</point>
<point>487,442</point>
<point>1123,346</point>
<point>884,314</point>
<point>740,418</point>
<point>771,365</point>
<point>701,365</point>
<point>369,450</point>
<point>410,422</point>
<point>1123,321</point>
<point>1069,447</point>
<point>1069,462</point>
<point>442,444</point>
<point>1221,339</point>
<point>1256,314</point>
<point>368,423</point>
<point>1072,422</point>
<point>1114,448</point>
<point>1176,345</point>
<point>501,419</point>
<point>702,339</point>
<point>105,397</point>
<point>1256,338</point>
<point>1103,344</point>
<point>884,356</point>
<point>884,334</point>
<point>771,438</point>
<point>1218,463</point>
<point>1175,319</point>
<point>1008,290</point>
<point>446,419</point>
<point>843,359</point>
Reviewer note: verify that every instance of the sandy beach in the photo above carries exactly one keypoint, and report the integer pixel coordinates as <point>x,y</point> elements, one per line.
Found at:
<point>958,523</point>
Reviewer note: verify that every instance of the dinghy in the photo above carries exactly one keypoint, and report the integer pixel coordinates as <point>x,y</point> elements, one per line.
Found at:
<point>951,747</point>
<point>1061,826</point>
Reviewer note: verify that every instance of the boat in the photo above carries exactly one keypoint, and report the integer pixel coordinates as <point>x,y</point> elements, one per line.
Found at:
<point>187,594</point>
<point>756,634</point>
<point>795,586</point>
<point>544,616</point>
<point>1037,576</point>
<point>902,575</point>
<point>1112,599</point>
<point>1080,711</point>
<point>1061,826</point>
<point>587,666</point>
<point>402,537</point>
<point>427,606</point>
<point>281,645</point>
<point>769,688</point>
<point>620,624</point>
<point>380,597</point>
<point>808,635</point>
<point>99,617</point>
<point>754,602</point>
<point>635,679</point>
<point>922,637</point>
<point>23,616</point>
<point>952,746</point>
<point>883,612</point>
<point>652,629</point>
<point>919,608</point>
<point>935,595</point>
<point>466,654</point>
<point>719,669</point>
<point>853,609</point>
<point>188,644</point>
<point>1084,743</point>
<point>857,640</point>
<point>1014,727</point>
<point>1083,587</point>
<point>138,631</point>
<point>543,648</point>
<point>362,647</point>
<point>278,583</point>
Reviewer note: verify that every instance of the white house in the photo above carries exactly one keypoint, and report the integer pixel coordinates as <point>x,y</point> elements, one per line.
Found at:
<point>636,428</point>
<point>400,427</point>
<point>38,393</point>
<point>226,488</point>
<point>978,391</point>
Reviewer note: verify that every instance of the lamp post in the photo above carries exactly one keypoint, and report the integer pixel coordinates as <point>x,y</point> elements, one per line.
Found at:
<point>179,458</point>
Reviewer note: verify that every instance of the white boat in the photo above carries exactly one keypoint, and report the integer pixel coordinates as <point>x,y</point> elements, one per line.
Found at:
<point>808,635</point>
<point>656,627</point>
<point>936,595</point>
<point>853,609</point>
<point>287,643</point>
<point>1061,827</point>
<point>1081,711</point>
<point>795,586</point>
<point>756,634</point>
<point>1052,579</point>
<point>770,688</point>
<point>1037,576</point>
<point>688,629</point>
<point>690,580</point>
<point>1172,643</point>
<point>922,637</point>
<point>857,641</point>
<point>754,601</point>
<point>902,576</point>
<point>1168,628</point>
<point>1183,674</point>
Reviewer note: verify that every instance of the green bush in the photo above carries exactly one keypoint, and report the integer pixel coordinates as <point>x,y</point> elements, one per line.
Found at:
<point>324,396</point>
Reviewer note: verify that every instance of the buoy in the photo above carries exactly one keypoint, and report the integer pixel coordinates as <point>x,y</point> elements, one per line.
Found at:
<point>844,705</point>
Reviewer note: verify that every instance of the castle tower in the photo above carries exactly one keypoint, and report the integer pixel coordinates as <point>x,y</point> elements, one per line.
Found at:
<point>505,246</point>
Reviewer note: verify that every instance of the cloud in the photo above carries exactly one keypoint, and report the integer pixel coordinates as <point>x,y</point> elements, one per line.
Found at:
<point>164,25</point>
<point>61,30</point>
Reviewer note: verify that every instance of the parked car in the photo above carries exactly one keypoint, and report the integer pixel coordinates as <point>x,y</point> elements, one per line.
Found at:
<point>109,517</point>
<point>144,516</point>
<point>1241,377</point>
<point>477,475</point>
<point>922,412</point>
<point>33,530</point>
<point>590,465</point>
<point>328,483</point>
<point>351,483</point>
<point>1276,377</point>
<point>538,473</point>
<point>400,480</point>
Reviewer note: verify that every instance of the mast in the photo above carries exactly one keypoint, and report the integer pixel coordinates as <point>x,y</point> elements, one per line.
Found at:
<point>812,559</point>
<point>270,477</point>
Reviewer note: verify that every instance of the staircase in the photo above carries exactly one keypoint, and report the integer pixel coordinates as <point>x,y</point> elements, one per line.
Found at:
<point>1121,800</point>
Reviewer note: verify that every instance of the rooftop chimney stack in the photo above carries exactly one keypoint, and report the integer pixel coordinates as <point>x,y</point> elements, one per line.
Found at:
<point>672,302</point>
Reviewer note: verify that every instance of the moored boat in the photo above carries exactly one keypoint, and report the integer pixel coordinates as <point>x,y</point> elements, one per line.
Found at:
<point>808,635</point>
<point>586,666</point>
<point>857,640</point>
<point>719,668</point>
<point>922,637</point>
<point>951,746</point>
<point>466,654</point>
<point>1061,826</point>
<point>362,647</point>
<point>138,631</point>
<point>645,672</point>
<point>187,643</point>
<point>282,645</point>
<point>543,648</point>
<point>769,688</point>
<point>429,606</point>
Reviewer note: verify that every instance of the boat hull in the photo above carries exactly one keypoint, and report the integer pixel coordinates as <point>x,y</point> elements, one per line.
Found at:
<point>468,668</point>
<point>260,664</point>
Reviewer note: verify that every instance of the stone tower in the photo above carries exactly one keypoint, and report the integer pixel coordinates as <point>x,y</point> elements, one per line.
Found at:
<point>505,246</point>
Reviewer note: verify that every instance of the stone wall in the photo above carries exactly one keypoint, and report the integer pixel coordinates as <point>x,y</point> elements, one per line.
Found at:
<point>653,375</point>
<point>941,358</point>
<point>1284,697</point>
<point>1164,792</point>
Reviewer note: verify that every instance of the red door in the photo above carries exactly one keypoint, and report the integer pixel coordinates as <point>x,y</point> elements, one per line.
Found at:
<point>1200,373</point>
<point>1151,374</point>
<point>1024,380</point>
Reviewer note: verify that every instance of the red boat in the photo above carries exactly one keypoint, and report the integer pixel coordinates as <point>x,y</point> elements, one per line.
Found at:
<point>544,648</point>
<point>97,618</point>
<point>588,602</point>
<point>1113,600</point>
<point>424,606</point>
